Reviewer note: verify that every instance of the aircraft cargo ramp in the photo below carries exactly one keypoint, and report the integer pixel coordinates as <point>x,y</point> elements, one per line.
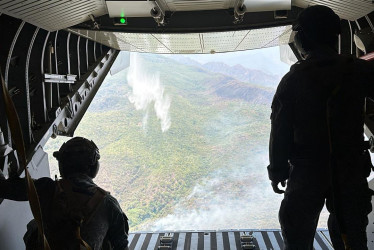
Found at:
<point>220,240</point>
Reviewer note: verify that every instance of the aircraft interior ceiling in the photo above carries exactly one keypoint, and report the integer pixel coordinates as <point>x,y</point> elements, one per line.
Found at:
<point>203,26</point>
<point>61,14</point>
<point>55,54</point>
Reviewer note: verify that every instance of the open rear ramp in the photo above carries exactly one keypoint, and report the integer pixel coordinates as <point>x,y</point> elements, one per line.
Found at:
<point>220,240</point>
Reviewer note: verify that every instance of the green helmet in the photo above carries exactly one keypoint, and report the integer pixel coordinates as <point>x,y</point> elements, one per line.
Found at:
<point>78,155</point>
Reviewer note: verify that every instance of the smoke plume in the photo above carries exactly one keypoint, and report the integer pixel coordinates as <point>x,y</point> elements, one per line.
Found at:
<point>235,198</point>
<point>147,91</point>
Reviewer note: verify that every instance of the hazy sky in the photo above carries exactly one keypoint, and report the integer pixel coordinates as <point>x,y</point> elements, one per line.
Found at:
<point>267,59</point>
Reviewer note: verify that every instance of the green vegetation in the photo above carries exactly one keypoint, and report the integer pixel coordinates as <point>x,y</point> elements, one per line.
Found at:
<point>149,171</point>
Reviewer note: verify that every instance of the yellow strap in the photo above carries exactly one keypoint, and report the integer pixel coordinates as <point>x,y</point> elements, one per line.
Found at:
<point>66,186</point>
<point>85,245</point>
<point>81,241</point>
<point>345,241</point>
<point>17,136</point>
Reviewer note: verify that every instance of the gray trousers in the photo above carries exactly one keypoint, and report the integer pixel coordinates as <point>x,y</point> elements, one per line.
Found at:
<point>308,188</point>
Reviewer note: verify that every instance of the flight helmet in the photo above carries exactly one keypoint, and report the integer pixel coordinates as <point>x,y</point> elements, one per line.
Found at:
<point>78,155</point>
<point>316,25</point>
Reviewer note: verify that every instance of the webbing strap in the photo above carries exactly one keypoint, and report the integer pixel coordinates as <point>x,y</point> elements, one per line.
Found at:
<point>332,169</point>
<point>93,204</point>
<point>15,129</point>
<point>89,208</point>
<point>65,186</point>
<point>81,241</point>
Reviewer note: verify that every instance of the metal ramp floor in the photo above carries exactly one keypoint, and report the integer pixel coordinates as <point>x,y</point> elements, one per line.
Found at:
<point>217,240</point>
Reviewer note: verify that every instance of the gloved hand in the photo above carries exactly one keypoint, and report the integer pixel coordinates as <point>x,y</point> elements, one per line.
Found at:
<point>275,186</point>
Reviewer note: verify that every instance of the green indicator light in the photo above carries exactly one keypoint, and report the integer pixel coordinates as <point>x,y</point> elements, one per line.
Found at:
<point>122,20</point>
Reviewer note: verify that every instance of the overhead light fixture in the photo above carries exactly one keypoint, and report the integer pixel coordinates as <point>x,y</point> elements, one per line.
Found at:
<point>120,21</point>
<point>239,12</point>
<point>158,16</point>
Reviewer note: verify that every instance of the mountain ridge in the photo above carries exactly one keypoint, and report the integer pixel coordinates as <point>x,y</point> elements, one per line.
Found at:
<point>244,74</point>
<point>238,72</point>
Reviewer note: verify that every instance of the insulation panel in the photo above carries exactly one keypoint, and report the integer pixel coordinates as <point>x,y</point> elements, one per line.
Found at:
<point>192,43</point>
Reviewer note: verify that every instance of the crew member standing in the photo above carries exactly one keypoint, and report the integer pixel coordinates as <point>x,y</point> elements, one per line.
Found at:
<point>317,140</point>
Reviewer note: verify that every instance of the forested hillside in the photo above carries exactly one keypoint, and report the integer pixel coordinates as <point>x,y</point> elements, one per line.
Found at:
<point>182,147</point>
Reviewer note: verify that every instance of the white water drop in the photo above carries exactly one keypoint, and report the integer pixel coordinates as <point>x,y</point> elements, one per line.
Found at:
<point>146,89</point>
